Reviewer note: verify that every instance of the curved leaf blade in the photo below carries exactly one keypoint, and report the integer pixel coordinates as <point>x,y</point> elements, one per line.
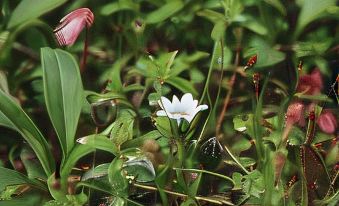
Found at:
<point>31,9</point>
<point>63,94</point>
<point>17,119</point>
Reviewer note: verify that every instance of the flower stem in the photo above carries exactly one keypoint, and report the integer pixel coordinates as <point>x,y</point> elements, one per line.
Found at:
<point>236,160</point>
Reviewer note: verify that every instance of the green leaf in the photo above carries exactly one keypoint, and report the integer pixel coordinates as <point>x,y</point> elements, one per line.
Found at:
<point>312,10</point>
<point>211,15</point>
<point>164,12</point>
<point>121,5</point>
<point>183,85</point>
<point>11,177</point>
<point>63,94</point>
<point>114,73</point>
<point>278,5</point>
<point>117,178</point>
<point>267,56</point>
<point>27,199</point>
<point>140,168</point>
<point>17,119</point>
<point>32,165</point>
<point>304,49</point>
<point>137,142</point>
<point>101,142</point>
<point>122,128</point>
<point>218,30</point>
<point>97,172</point>
<point>31,9</point>
<point>77,152</point>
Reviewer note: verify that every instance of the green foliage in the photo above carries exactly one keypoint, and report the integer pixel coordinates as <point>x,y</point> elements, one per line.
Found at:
<point>242,150</point>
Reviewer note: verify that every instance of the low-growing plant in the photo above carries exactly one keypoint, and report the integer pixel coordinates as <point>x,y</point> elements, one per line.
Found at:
<point>167,119</point>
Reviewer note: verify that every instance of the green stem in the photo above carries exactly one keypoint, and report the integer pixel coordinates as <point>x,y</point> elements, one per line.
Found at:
<point>207,172</point>
<point>236,160</point>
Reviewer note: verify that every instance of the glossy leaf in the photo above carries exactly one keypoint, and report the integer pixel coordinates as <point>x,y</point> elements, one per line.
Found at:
<point>17,119</point>
<point>31,9</point>
<point>140,168</point>
<point>63,94</point>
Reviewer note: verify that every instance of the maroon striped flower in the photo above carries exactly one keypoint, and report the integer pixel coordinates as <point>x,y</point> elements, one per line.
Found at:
<point>72,24</point>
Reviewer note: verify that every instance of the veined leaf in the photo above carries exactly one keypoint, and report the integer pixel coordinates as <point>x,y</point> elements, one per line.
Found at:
<point>63,94</point>
<point>14,117</point>
<point>164,12</point>
<point>31,9</point>
<point>12,177</point>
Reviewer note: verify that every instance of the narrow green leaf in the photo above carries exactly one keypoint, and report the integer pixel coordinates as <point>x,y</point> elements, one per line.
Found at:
<point>278,5</point>
<point>101,142</point>
<point>11,177</point>
<point>121,5</point>
<point>31,9</point>
<point>117,178</point>
<point>164,12</point>
<point>63,94</point>
<point>218,30</point>
<point>16,118</point>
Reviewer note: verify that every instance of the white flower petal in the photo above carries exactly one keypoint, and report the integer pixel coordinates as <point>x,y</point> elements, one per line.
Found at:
<point>161,113</point>
<point>186,102</point>
<point>202,107</point>
<point>165,104</point>
<point>175,102</point>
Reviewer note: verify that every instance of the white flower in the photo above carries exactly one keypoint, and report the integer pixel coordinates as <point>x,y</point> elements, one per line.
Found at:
<point>187,108</point>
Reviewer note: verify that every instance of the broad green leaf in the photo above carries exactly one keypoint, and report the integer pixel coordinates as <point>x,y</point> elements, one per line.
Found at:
<point>164,12</point>
<point>17,119</point>
<point>183,85</point>
<point>267,56</point>
<point>140,168</point>
<point>97,172</point>
<point>31,9</point>
<point>121,5</point>
<point>101,142</point>
<point>11,177</point>
<point>5,122</point>
<point>122,128</point>
<point>310,11</point>
<point>63,94</point>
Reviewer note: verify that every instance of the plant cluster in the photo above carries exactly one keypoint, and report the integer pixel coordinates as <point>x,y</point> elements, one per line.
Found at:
<point>169,102</point>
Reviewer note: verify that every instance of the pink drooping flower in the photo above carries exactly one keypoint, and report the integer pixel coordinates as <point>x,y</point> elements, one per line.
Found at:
<point>295,114</point>
<point>72,24</point>
<point>327,122</point>
<point>310,84</point>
